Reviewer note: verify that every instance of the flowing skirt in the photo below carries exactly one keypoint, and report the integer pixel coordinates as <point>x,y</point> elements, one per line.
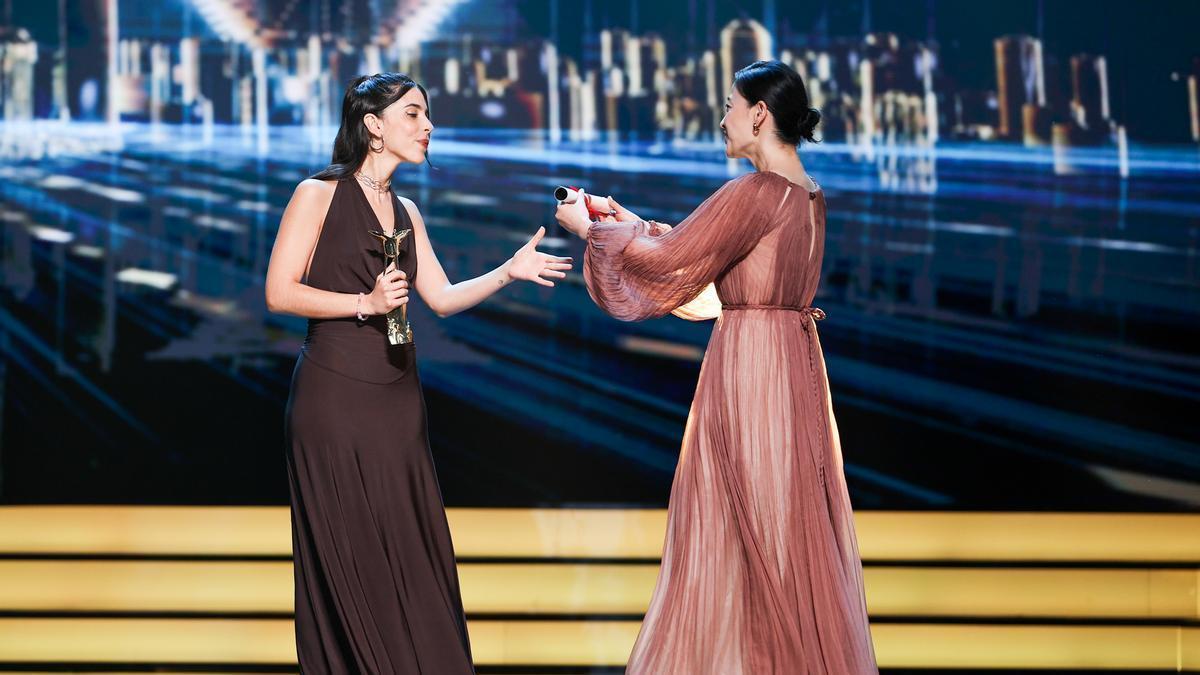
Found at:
<point>760,570</point>
<point>376,583</point>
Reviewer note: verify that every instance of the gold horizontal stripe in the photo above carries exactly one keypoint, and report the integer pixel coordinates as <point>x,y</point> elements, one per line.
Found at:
<point>554,588</point>
<point>1033,593</point>
<point>1042,647</point>
<point>607,533</point>
<point>599,643</point>
<point>1084,537</point>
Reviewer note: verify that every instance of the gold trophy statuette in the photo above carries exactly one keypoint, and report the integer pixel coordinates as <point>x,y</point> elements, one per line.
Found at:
<point>399,331</point>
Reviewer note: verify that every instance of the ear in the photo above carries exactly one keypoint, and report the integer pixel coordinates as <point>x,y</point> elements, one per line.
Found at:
<point>373,123</point>
<point>760,112</point>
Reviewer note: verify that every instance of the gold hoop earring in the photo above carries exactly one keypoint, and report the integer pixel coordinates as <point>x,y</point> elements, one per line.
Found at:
<point>371,145</point>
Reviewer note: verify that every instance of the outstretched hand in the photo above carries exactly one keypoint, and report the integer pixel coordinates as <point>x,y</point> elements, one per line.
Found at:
<point>530,264</point>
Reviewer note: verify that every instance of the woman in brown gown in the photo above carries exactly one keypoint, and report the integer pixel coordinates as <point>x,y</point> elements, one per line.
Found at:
<point>376,584</point>
<point>760,571</point>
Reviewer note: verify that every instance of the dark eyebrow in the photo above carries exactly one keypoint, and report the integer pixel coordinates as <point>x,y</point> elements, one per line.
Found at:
<point>418,105</point>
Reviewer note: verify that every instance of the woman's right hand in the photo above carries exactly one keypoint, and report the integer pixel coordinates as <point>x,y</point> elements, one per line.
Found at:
<point>574,218</point>
<point>390,292</point>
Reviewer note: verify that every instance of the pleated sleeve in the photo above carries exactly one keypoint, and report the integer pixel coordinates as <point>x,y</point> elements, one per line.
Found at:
<point>632,274</point>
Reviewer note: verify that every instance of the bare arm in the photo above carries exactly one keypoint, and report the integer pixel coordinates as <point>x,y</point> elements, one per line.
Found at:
<point>294,245</point>
<point>446,298</point>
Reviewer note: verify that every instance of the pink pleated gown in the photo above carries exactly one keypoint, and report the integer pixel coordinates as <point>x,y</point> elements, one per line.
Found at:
<point>760,570</point>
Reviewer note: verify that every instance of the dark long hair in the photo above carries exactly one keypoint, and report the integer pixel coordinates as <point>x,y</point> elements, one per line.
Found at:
<point>782,90</point>
<point>366,94</point>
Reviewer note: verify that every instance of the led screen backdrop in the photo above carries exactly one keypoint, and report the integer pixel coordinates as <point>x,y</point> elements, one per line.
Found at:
<point>1011,276</point>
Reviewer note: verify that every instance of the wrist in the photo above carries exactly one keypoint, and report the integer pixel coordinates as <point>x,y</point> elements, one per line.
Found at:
<point>506,271</point>
<point>368,306</point>
<point>359,308</point>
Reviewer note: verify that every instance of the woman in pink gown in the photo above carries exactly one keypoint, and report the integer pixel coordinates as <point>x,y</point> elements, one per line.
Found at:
<point>760,570</point>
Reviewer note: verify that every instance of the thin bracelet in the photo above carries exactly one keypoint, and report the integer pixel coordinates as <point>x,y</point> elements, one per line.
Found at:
<point>358,308</point>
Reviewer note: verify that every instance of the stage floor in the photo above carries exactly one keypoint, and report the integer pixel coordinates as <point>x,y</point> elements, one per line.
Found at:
<point>138,589</point>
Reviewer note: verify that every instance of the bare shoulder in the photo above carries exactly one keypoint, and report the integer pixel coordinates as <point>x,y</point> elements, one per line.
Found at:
<point>313,190</point>
<point>411,207</point>
<point>306,211</point>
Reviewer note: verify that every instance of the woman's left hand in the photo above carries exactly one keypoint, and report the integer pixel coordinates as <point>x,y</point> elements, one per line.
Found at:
<point>530,264</point>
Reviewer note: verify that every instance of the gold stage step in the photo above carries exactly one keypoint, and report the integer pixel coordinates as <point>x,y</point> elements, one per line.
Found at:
<point>82,585</point>
<point>597,643</point>
<point>606,589</point>
<point>604,533</point>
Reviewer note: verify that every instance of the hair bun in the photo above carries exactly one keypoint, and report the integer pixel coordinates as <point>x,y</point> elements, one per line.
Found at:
<point>808,124</point>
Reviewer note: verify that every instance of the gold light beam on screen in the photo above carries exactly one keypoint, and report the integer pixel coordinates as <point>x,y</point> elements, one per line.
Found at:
<point>416,21</point>
<point>232,20</point>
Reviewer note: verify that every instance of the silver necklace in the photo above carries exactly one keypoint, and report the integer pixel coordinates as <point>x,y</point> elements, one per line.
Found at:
<point>378,186</point>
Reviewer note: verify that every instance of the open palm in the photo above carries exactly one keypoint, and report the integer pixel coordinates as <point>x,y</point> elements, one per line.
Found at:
<point>530,264</point>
